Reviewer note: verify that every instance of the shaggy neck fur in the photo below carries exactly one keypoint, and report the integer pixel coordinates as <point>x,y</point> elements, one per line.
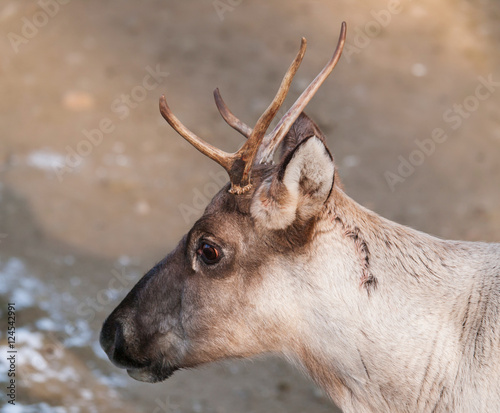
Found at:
<point>402,321</point>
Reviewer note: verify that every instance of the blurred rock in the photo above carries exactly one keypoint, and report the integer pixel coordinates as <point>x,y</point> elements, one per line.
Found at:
<point>78,101</point>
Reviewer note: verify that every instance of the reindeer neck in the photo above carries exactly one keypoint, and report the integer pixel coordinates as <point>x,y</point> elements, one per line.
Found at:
<point>383,331</point>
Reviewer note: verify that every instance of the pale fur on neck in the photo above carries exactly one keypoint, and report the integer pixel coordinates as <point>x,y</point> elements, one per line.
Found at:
<point>404,340</point>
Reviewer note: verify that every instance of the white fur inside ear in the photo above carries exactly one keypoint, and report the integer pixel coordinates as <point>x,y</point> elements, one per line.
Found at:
<point>310,170</point>
<point>272,212</point>
<point>307,181</point>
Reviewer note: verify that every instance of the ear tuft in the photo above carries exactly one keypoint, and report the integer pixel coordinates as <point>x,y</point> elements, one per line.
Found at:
<point>299,187</point>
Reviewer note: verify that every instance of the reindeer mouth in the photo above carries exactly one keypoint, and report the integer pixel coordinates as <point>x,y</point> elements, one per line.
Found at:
<point>121,354</point>
<point>152,375</point>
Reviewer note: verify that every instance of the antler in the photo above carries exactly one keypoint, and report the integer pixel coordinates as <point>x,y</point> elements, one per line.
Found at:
<point>222,158</point>
<point>239,164</point>
<point>228,116</point>
<point>272,140</point>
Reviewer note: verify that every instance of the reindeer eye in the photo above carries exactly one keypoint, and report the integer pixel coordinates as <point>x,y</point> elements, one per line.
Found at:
<point>209,254</point>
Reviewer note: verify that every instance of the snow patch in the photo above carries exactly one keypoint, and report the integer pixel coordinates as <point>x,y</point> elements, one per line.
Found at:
<point>45,160</point>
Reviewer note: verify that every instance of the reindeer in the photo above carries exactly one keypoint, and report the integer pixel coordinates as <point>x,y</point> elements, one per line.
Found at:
<point>383,317</point>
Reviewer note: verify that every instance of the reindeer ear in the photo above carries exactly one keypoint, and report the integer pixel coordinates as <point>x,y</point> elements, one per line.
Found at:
<point>299,187</point>
<point>302,128</point>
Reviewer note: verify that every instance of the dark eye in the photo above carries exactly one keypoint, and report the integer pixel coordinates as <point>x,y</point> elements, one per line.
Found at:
<point>209,254</point>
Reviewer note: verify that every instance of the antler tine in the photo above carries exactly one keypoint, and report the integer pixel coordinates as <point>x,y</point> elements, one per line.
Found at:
<point>229,117</point>
<point>239,164</point>
<point>273,139</point>
<point>224,159</point>
<point>249,150</point>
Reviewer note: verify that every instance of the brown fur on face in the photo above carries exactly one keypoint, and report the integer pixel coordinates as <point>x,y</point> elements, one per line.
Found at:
<point>183,312</point>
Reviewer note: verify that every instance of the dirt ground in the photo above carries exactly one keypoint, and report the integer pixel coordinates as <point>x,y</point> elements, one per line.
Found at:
<point>95,187</point>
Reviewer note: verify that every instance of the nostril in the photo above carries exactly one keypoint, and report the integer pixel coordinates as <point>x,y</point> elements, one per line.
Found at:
<point>107,337</point>
<point>114,343</point>
<point>120,344</point>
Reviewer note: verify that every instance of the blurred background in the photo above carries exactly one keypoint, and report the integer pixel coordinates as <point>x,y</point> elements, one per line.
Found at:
<point>96,187</point>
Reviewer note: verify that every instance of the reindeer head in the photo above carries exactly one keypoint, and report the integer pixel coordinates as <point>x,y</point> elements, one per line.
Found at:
<point>229,288</point>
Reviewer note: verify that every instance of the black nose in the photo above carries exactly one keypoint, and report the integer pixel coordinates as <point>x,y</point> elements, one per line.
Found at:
<point>119,350</point>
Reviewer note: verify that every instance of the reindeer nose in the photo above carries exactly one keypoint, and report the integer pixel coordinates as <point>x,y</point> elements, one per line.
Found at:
<point>114,343</point>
